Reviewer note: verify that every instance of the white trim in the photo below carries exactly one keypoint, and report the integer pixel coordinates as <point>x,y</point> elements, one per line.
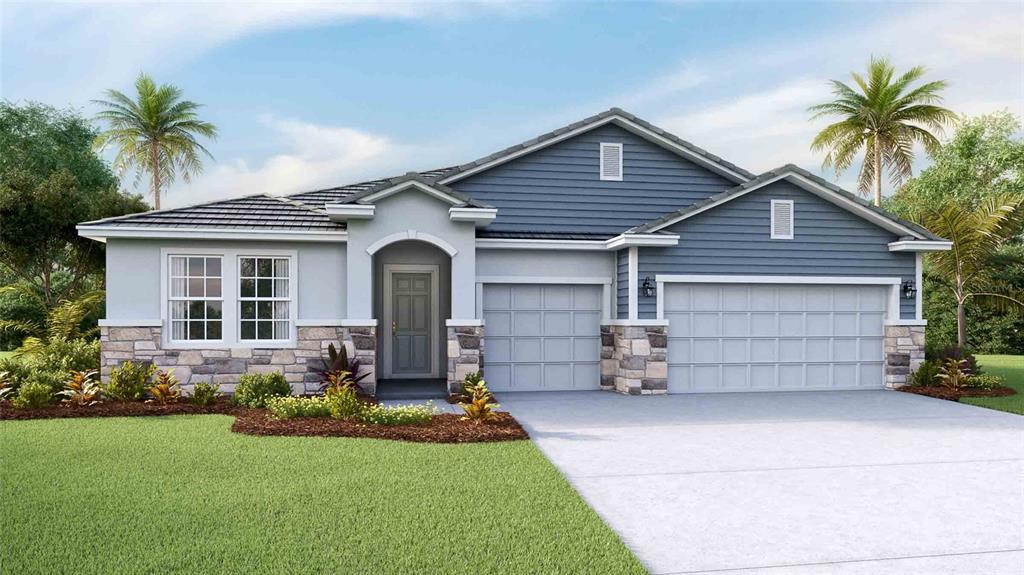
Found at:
<point>626,240</point>
<point>812,187</point>
<point>435,305</point>
<point>482,216</point>
<point>633,278</point>
<point>358,323</point>
<point>920,246</point>
<point>318,322</point>
<point>131,323</point>
<point>607,305</point>
<point>622,122</point>
<point>292,299</point>
<point>543,280</point>
<point>345,212</point>
<point>463,322</point>
<point>919,284</point>
<point>610,146</point>
<point>402,186</point>
<point>411,235</point>
<point>792,220</point>
<point>817,280</point>
<point>101,233</point>
<point>637,322</point>
<point>529,244</point>
<point>907,322</point>
<point>660,303</point>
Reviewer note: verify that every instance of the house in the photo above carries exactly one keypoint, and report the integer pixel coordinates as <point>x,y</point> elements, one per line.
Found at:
<point>607,254</point>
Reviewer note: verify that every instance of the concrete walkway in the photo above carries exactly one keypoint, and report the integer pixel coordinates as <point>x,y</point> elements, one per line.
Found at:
<point>808,482</point>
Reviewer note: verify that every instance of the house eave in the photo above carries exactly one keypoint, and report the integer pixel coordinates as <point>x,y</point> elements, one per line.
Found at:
<point>480,216</point>
<point>346,212</point>
<point>920,246</point>
<point>629,240</point>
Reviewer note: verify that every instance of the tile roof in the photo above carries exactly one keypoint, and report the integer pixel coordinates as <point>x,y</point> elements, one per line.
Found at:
<point>412,177</point>
<point>318,198</point>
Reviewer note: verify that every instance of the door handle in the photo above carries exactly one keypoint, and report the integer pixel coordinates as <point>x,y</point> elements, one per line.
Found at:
<point>394,327</point>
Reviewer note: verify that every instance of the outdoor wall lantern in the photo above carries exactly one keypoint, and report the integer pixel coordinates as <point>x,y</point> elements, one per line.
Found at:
<point>909,291</point>
<point>648,287</point>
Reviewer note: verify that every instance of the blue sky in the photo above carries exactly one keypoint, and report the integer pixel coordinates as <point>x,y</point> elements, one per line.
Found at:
<point>315,94</point>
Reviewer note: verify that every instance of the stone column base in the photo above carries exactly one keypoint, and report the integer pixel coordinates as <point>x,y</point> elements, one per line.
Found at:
<point>465,353</point>
<point>904,352</point>
<point>634,359</point>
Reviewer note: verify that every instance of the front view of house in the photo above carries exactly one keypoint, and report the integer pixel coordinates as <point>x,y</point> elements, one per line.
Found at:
<point>607,254</point>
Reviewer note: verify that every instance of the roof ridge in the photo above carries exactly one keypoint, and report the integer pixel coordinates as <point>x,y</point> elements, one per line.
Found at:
<point>296,203</point>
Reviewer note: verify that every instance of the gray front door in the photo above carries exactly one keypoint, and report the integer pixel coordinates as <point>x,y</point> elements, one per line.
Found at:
<point>411,328</point>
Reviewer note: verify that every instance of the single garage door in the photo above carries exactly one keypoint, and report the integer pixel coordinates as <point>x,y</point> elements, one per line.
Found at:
<point>542,337</point>
<point>751,337</point>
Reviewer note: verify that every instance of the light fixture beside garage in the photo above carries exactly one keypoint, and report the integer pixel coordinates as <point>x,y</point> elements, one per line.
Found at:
<point>909,290</point>
<point>647,288</point>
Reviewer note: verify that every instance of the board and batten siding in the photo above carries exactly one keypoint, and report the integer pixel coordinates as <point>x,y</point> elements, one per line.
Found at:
<point>558,188</point>
<point>734,239</point>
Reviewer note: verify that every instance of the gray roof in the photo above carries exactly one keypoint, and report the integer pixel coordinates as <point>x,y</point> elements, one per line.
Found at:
<point>412,177</point>
<point>450,172</point>
<point>485,233</point>
<point>260,211</point>
<point>337,194</point>
<point>787,169</point>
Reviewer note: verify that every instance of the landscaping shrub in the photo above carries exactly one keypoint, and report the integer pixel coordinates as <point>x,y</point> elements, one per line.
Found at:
<point>339,370</point>
<point>397,414</point>
<point>32,395</point>
<point>53,380</point>
<point>952,374</point>
<point>17,371</point>
<point>65,355</point>
<point>289,407</point>
<point>927,374</point>
<point>343,403</point>
<point>82,389</point>
<point>165,388</point>
<point>985,381</point>
<point>480,408</point>
<point>254,389</point>
<point>129,381</point>
<point>970,365</point>
<point>6,385</point>
<point>205,393</point>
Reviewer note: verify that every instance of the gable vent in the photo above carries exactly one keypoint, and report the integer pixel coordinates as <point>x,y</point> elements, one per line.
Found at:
<point>782,219</point>
<point>611,161</point>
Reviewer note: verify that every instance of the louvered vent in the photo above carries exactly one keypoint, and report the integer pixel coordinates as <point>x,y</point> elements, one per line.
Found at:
<point>782,219</point>
<point>611,161</point>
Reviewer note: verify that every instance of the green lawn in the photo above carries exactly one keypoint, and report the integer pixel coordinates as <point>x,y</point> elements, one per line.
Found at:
<point>1011,367</point>
<point>183,494</point>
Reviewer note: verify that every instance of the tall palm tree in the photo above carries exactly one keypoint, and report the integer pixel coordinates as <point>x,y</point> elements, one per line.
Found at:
<point>155,134</point>
<point>884,117</point>
<point>977,235</point>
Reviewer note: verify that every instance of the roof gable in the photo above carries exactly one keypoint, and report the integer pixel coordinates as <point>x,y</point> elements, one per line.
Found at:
<point>410,181</point>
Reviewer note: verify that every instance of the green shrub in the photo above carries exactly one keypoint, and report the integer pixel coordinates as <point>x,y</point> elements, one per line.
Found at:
<point>289,407</point>
<point>927,374</point>
<point>32,395</point>
<point>205,393</point>
<point>343,403</point>
<point>254,389</point>
<point>129,381</point>
<point>985,381</point>
<point>52,379</point>
<point>164,389</point>
<point>66,355</point>
<point>17,371</point>
<point>397,414</point>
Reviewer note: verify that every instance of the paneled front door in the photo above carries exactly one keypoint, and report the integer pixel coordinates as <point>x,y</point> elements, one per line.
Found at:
<point>412,317</point>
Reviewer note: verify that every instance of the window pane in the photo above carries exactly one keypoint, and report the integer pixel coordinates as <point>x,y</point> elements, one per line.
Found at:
<point>213,330</point>
<point>195,310</point>
<point>248,288</point>
<point>213,288</point>
<point>281,268</point>
<point>281,288</point>
<point>248,330</point>
<point>213,267</point>
<point>263,288</point>
<point>281,330</point>
<point>196,330</point>
<point>213,310</point>
<point>195,287</point>
<point>263,267</point>
<point>264,330</point>
<point>195,266</point>
<point>248,310</point>
<point>178,266</point>
<point>178,287</point>
<point>179,310</point>
<point>280,310</point>
<point>178,329</point>
<point>248,267</point>
<point>264,310</point>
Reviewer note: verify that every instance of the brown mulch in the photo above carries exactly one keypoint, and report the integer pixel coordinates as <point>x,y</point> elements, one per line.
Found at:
<point>114,409</point>
<point>445,428</point>
<point>955,395</point>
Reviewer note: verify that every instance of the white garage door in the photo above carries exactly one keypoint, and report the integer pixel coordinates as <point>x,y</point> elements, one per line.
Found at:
<point>750,337</point>
<point>542,337</point>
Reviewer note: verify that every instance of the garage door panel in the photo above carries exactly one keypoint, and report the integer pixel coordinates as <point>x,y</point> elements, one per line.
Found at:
<point>498,323</point>
<point>498,298</point>
<point>526,323</point>
<point>586,349</point>
<point>558,349</point>
<point>558,375</point>
<point>587,298</point>
<point>557,323</point>
<point>585,374</point>
<point>498,376</point>
<point>557,297</point>
<point>527,349</point>
<point>498,349</point>
<point>586,323</point>
<point>526,297</point>
<point>526,376</point>
<point>774,337</point>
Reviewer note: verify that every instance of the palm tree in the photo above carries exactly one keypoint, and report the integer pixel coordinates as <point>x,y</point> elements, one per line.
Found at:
<point>884,118</point>
<point>155,134</point>
<point>977,235</point>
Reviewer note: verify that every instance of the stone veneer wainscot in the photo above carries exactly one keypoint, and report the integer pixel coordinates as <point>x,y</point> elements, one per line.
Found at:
<point>634,359</point>
<point>465,354</point>
<point>300,365</point>
<point>904,352</point>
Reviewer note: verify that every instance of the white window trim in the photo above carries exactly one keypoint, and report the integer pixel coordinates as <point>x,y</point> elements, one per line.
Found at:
<point>229,294</point>
<point>792,220</point>
<point>612,145</point>
<point>290,299</point>
<point>167,301</point>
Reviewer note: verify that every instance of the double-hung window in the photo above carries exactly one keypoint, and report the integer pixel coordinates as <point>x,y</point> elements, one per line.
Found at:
<point>264,298</point>
<point>196,298</point>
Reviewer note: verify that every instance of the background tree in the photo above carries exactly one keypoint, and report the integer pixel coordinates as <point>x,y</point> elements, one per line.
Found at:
<point>883,117</point>
<point>155,134</point>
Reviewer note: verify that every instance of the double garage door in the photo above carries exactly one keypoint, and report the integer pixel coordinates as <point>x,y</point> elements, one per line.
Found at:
<point>749,337</point>
<point>541,337</point>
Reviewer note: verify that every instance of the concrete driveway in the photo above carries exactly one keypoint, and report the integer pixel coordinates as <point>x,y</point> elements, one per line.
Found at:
<point>806,482</point>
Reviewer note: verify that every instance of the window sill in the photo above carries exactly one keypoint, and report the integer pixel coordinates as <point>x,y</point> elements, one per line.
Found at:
<point>191,345</point>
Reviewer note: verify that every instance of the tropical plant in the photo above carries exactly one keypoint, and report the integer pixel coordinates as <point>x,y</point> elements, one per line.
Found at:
<point>480,408</point>
<point>129,381</point>
<point>343,403</point>
<point>155,133</point>
<point>33,395</point>
<point>15,372</point>
<point>883,117</point>
<point>164,389</point>
<point>64,321</point>
<point>952,374</point>
<point>339,370</point>
<point>205,393</point>
<point>82,389</point>
<point>254,389</point>
<point>969,361</point>
<point>978,235</point>
<point>53,379</point>
<point>291,407</point>
<point>6,385</point>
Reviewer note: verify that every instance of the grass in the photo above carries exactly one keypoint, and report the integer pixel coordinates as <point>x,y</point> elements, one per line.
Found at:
<point>1011,368</point>
<point>183,494</point>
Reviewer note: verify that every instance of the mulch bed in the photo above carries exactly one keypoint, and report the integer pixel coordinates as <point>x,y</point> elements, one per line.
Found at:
<point>445,428</point>
<point>955,395</point>
<point>115,409</point>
